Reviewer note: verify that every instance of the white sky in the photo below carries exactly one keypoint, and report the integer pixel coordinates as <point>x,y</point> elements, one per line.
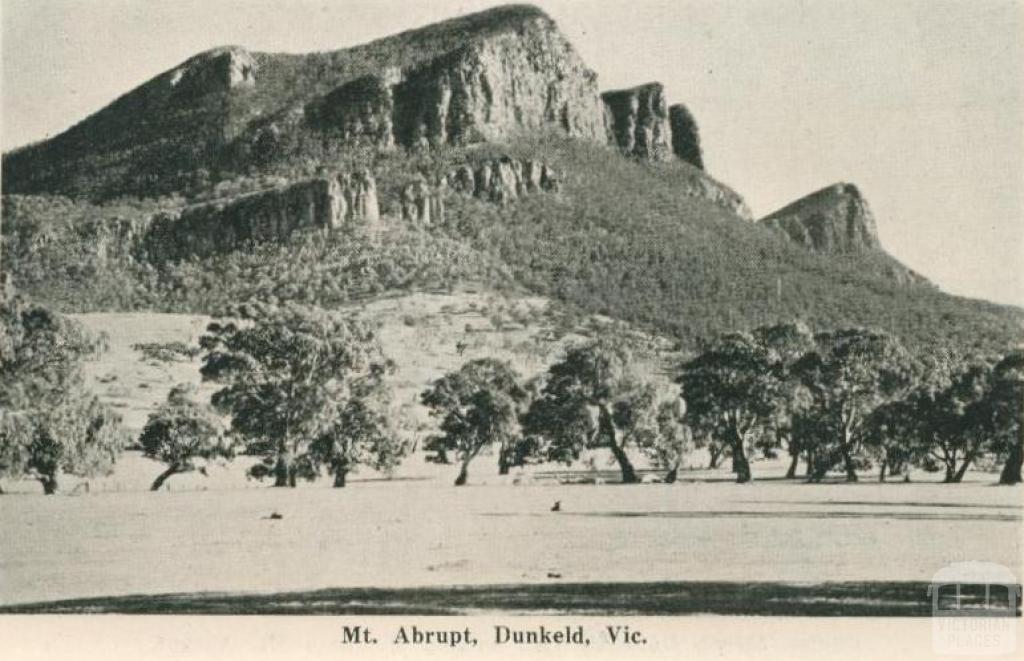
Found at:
<point>917,102</point>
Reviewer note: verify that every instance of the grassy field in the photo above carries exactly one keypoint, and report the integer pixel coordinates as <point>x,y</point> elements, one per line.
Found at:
<point>401,534</point>
<point>412,543</point>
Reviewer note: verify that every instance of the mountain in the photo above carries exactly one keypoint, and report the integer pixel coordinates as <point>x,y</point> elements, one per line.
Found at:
<point>479,151</point>
<point>836,220</point>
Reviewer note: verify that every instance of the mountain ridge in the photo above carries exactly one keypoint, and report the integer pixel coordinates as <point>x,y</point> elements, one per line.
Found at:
<point>630,224</point>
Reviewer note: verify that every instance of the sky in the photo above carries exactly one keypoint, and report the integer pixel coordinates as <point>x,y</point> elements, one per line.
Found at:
<point>919,103</point>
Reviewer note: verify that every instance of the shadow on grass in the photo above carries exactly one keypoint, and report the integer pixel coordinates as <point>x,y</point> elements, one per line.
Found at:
<point>886,503</point>
<point>909,598</point>
<point>779,514</point>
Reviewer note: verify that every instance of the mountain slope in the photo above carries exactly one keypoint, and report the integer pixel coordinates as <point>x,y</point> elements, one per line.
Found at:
<point>622,227</point>
<point>222,112</point>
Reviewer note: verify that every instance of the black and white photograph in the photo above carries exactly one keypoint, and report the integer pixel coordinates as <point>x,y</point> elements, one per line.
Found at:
<point>597,320</point>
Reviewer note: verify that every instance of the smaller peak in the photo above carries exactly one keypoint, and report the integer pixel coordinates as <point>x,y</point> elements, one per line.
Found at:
<point>220,68</point>
<point>650,87</point>
<point>513,12</point>
<point>838,189</point>
<point>230,49</point>
<point>850,190</point>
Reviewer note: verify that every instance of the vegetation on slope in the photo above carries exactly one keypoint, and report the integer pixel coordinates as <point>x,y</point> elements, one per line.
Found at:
<point>158,138</point>
<point>622,239</point>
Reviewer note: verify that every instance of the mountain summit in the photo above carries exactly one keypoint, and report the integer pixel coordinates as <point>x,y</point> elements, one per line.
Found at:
<point>833,219</point>
<point>476,151</point>
<point>485,77</point>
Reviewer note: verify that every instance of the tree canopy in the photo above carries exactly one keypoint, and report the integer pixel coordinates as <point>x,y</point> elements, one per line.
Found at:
<point>478,406</point>
<point>49,424</point>
<point>288,374</point>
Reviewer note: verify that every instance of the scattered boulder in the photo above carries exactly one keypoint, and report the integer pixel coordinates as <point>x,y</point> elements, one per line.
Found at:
<point>685,135</point>
<point>835,219</point>
<point>637,122</point>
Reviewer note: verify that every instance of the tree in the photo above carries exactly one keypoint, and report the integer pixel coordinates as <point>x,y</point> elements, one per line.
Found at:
<point>287,373</point>
<point>850,374</point>
<point>1006,400</point>
<point>786,344</point>
<point>590,400</point>
<point>362,433</point>
<point>48,423</point>
<point>670,440</point>
<point>892,432</point>
<point>478,407</point>
<point>732,387</point>
<point>181,432</point>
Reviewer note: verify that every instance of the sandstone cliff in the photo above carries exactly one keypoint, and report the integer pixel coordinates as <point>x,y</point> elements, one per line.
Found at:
<point>217,70</point>
<point>685,135</point>
<point>706,188</point>
<point>329,202</point>
<point>499,180</point>
<point>638,123</point>
<point>491,88</point>
<point>835,219</point>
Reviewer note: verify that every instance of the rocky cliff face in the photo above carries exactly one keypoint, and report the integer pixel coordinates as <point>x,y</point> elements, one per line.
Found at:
<point>685,135</point>
<point>638,123</point>
<point>500,181</point>
<point>490,89</point>
<point>216,70</point>
<point>706,188</point>
<point>835,219</point>
<point>329,202</point>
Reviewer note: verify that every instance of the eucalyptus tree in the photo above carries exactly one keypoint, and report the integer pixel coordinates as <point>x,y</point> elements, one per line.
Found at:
<point>289,376</point>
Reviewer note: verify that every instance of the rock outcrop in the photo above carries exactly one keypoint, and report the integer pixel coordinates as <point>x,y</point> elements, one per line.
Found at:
<point>638,123</point>
<point>216,70</point>
<point>500,181</point>
<point>423,203</point>
<point>503,180</point>
<point>329,202</point>
<point>835,219</point>
<point>685,135</point>
<point>493,88</point>
<point>705,188</point>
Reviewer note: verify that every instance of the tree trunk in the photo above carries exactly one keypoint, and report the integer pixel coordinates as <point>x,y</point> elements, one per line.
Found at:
<point>628,474</point>
<point>463,474</point>
<point>607,429</point>
<point>740,465</point>
<point>283,473</point>
<point>791,471</point>
<point>671,476</point>
<point>159,481</point>
<point>50,484</point>
<point>851,469</point>
<point>339,477</point>
<point>504,464</point>
<point>1011,469</point>
<point>881,471</point>
<point>716,454</point>
<point>959,475</point>
<point>846,450</point>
